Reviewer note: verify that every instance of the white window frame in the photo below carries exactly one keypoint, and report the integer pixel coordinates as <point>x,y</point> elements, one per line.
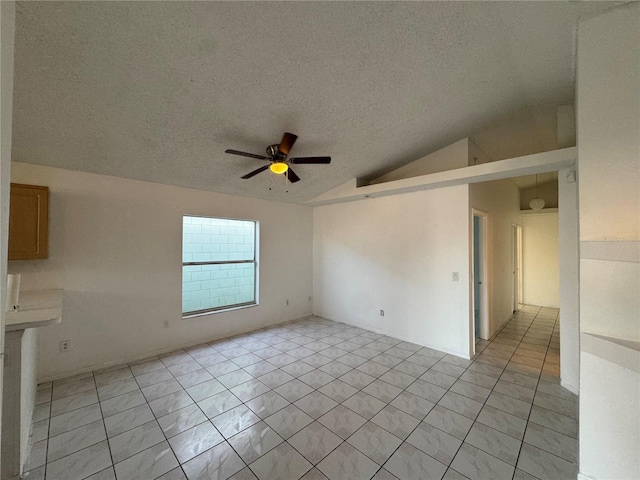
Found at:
<point>235,306</point>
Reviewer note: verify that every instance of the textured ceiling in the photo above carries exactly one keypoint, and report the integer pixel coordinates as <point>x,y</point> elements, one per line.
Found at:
<point>529,181</point>
<point>157,91</point>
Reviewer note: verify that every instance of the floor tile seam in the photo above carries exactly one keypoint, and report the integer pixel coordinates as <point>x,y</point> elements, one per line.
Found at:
<point>74,409</point>
<point>74,393</point>
<point>530,410</point>
<point>104,425</point>
<point>313,465</point>
<point>112,383</point>
<point>550,453</point>
<point>77,451</point>
<point>335,377</point>
<point>466,435</point>
<point>224,440</point>
<point>556,413</point>
<point>121,411</point>
<point>520,363</point>
<point>77,428</point>
<point>558,397</point>
<point>283,441</point>
<point>402,441</point>
<point>574,463</point>
<point>48,436</point>
<point>174,452</point>
<point>143,450</point>
<point>156,418</point>
<point>422,451</point>
<point>485,403</point>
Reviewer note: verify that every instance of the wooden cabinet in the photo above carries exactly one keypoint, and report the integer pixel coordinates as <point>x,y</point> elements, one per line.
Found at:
<point>28,222</point>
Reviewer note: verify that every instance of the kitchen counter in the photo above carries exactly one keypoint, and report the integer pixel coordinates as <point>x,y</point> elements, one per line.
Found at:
<point>38,308</point>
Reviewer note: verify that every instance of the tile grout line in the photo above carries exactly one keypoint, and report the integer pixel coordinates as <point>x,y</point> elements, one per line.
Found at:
<point>485,402</point>
<point>535,390</point>
<point>532,405</point>
<point>351,369</point>
<point>537,385</point>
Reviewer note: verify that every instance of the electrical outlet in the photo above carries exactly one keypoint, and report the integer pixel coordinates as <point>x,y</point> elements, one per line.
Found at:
<point>455,277</point>
<point>382,313</point>
<point>65,346</point>
<point>166,324</point>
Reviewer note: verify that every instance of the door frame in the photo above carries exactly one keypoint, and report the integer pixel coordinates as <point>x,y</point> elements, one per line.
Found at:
<point>483,242</point>
<point>516,258</point>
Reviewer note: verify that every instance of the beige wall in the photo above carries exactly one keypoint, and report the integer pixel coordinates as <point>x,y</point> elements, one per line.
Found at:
<point>540,260</point>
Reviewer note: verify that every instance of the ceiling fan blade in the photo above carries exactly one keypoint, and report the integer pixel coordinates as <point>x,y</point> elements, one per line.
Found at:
<point>255,172</point>
<point>288,139</point>
<point>291,175</point>
<point>310,160</point>
<point>245,154</point>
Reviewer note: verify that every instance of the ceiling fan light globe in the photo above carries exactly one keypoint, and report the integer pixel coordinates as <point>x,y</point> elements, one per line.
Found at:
<point>278,167</point>
<point>536,204</point>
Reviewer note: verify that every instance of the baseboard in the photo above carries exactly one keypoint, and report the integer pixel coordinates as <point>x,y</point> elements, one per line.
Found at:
<point>571,388</point>
<point>582,476</point>
<point>167,350</point>
<point>404,339</point>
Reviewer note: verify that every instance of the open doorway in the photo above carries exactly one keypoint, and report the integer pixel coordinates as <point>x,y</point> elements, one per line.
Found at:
<point>479,274</point>
<point>516,245</point>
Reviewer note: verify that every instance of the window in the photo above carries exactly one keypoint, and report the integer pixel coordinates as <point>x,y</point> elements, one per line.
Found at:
<point>219,267</point>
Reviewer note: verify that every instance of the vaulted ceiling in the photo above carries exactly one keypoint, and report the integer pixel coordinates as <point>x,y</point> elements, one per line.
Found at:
<point>157,91</point>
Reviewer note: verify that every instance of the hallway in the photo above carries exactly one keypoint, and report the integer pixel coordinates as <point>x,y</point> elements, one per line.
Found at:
<point>525,355</point>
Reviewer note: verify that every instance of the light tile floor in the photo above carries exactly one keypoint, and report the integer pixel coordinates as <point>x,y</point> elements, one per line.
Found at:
<point>316,399</point>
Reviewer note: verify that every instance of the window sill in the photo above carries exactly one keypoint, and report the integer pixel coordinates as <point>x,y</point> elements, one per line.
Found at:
<point>222,310</point>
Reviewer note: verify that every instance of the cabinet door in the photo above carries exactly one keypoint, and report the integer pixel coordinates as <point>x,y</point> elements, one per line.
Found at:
<point>28,222</point>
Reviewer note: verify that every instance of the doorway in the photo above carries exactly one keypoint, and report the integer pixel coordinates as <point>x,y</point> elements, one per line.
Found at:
<point>516,242</point>
<point>479,274</point>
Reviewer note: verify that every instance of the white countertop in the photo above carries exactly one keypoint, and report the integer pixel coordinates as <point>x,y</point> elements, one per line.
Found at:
<point>38,308</point>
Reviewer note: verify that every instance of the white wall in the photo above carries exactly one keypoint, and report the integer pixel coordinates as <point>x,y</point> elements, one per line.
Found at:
<point>569,288</point>
<point>540,262</point>
<point>453,156</point>
<point>7,27</point>
<point>609,416</point>
<point>115,248</point>
<point>501,200</point>
<point>608,95</point>
<point>397,254</point>
<point>29,385</point>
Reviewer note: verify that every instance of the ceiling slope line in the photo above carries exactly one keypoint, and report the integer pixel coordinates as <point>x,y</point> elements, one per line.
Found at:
<point>501,169</point>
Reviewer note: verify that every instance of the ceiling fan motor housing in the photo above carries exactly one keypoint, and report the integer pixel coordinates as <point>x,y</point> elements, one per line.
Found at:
<point>274,154</point>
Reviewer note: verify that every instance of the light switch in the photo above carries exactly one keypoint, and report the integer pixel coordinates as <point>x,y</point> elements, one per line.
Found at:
<point>455,277</point>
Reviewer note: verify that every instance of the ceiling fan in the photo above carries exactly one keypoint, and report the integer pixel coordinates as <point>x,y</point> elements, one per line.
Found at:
<point>277,157</point>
